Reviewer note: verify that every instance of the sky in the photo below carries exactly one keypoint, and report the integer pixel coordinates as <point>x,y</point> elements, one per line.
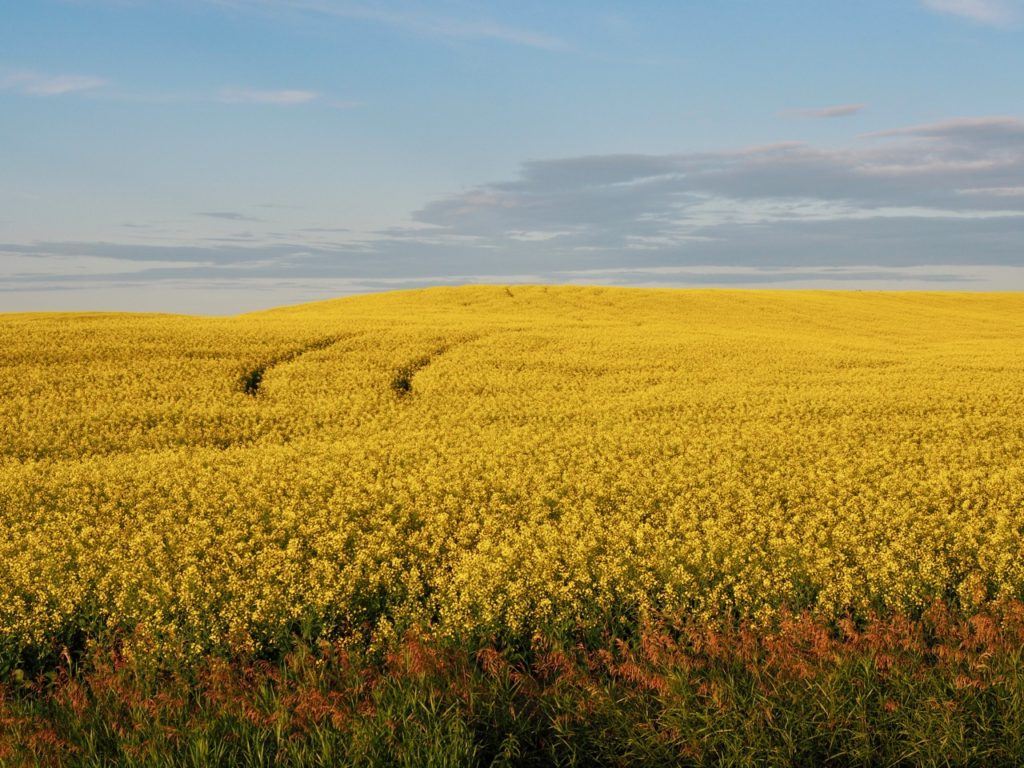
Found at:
<point>219,156</point>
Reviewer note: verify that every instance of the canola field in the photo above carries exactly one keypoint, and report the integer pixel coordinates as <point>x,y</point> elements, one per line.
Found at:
<point>499,461</point>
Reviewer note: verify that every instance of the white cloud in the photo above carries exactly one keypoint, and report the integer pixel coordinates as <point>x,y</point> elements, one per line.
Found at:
<point>285,98</point>
<point>996,126</point>
<point>994,191</point>
<point>839,110</point>
<point>41,266</point>
<point>995,13</point>
<point>406,17</point>
<point>36,84</point>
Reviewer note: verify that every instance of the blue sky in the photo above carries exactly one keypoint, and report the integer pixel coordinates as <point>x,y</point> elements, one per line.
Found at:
<point>223,155</point>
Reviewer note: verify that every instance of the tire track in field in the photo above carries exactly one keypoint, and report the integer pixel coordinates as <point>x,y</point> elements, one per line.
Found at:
<point>402,380</point>
<point>251,380</point>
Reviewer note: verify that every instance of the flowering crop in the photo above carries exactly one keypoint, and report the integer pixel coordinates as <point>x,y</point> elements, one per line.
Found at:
<point>502,461</point>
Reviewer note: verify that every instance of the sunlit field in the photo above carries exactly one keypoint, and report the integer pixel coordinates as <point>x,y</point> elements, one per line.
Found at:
<point>786,524</point>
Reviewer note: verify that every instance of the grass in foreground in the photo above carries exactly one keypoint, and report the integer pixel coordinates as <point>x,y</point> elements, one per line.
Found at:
<point>935,691</point>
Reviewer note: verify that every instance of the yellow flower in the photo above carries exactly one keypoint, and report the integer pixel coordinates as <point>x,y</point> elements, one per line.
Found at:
<point>549,458</point>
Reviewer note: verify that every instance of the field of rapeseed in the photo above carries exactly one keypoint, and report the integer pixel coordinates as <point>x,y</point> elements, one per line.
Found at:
<point>492,465</point>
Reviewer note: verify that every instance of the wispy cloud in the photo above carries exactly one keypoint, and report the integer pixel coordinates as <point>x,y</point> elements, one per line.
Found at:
<point>404,16</point>
<point>285,98</point>
<point>925,204</point>
<point>997,13</point>
<point>995,191</point>
<point>226,215</point>
<point>839,110</point>
<point>38,84</point>
<point>899,197</point>
<point>998,128</point>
